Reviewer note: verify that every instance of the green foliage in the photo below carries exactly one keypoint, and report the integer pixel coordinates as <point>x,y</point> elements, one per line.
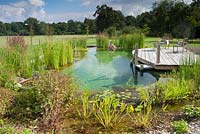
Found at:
<point>106,112</point>
<point>102,42</point>
<point>6,98</point>
<point>192,111</point>
<point>79,43</point>
<point>57,54</point>
<point>111,31</point>
<point>107,17</point>
<point>47,100</point>
<point>56,94</point>
<point>27,105</point>
<point>190,69</point>
<point>180,126</point>
<point>129,41</point>
<point>85,111</point>
<point>141,115</point>
<point>165,92</point>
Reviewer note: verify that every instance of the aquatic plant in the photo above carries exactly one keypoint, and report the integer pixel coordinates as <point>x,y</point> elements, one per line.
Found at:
<point>102,42</point>
<point>129,41</point>
<point>141,115</point>
<point>84,111</point>
<point>57,54</point>
<point>190,69</point>
<point>106,112</point>
<point>168,92</point>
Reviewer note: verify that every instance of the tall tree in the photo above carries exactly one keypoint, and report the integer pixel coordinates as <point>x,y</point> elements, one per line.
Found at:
<point>107,17</point>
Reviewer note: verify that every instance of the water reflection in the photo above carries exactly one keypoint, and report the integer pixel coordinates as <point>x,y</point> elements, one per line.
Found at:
<point>105,70</point>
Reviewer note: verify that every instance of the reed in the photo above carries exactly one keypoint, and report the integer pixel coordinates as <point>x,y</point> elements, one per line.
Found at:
<point>190,69</point>
<point>129,41</point>
<point>102,41</point>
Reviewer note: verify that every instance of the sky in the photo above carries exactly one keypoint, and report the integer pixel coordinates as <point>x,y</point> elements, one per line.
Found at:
<point>64,10</point>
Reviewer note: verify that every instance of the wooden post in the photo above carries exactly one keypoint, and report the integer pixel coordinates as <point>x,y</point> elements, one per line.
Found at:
<point>136,54</point>
<point>158,53</point>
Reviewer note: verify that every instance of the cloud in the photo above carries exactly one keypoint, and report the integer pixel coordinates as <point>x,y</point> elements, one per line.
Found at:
<point>64,17</point>
<point>128,7</point>
<point>21,10</point>
<point>37,2</point>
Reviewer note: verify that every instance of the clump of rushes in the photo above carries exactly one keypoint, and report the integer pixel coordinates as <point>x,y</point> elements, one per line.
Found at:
<point>102,42</point>
<point>69,53</point>
<point>63,55</point>
<point>129,41</point>
<point>79,43</point>
<point>57,54</point>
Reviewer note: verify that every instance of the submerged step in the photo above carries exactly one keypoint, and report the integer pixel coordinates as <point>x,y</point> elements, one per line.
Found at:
<point>143,67</point>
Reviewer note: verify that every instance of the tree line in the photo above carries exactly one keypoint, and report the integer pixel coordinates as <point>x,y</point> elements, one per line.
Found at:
<point>167,17</point>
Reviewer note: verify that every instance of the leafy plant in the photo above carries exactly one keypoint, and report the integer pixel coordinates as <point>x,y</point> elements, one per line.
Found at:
<point>180,126</point>
<point>141,115</point>
<point>106,112</point>
<point>85,111</point>
<point>192,111</point>
<point>165,92</point>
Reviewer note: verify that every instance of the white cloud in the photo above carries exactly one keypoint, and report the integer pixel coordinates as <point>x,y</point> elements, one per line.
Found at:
<point>37,2</point>
<point>128,7</point>
<point>64,17</point>
<point>21,10</point>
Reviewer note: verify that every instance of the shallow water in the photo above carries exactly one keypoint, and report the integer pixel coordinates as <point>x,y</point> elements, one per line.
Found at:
<point>106,70</point>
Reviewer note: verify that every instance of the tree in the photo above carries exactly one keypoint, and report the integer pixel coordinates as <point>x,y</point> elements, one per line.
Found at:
<point>32,23</point>
<point>90,25</point>
<point>107,17</point>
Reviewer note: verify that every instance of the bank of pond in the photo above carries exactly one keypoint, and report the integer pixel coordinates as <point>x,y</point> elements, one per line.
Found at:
<point>75,89</point>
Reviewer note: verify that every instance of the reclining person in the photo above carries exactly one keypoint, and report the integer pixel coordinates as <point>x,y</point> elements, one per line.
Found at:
<point>111,47</point>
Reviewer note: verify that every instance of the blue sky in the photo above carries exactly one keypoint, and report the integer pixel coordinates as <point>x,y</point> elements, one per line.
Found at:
<point>64,10</point>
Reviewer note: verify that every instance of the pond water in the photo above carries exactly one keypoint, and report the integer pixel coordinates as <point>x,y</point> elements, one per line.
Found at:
<point>106,70</point>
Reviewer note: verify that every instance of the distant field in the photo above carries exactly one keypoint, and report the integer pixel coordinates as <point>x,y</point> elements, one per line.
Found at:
<point>37,39</point>
<point>148,41</point>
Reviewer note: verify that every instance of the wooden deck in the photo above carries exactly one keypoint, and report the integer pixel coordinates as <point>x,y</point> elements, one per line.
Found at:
<point>168,59</point>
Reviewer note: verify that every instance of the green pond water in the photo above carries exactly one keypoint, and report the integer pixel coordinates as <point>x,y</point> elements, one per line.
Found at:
<point>103,70</point>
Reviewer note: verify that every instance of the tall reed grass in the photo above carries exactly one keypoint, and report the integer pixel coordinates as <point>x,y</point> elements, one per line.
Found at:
<point>190,69</point>
<point>102,42</point>
<point>57,54</point>
<point>129,41</point>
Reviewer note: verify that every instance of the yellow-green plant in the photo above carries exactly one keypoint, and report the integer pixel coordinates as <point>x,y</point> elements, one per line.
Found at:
<point>102,41</point>
<point>180,127</point>
<point>173,90</point>
<point>85,110</point>
<point>141,115</point>
<point>106,112</point>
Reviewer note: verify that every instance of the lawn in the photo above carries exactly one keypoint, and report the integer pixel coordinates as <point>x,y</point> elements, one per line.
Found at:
<point>148,41</point>
<point>42,38</point>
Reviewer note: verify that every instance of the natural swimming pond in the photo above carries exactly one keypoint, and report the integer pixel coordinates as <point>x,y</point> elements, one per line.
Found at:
<point>106,70</point>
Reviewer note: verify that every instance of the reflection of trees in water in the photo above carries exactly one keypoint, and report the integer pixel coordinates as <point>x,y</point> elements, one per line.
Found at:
<point>107,56</point>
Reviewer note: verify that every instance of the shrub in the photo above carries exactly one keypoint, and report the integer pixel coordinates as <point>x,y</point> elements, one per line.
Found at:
<point>6,98</point>
<point>180,126</point>
<point>56,94</point>
<point>50,95</point>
